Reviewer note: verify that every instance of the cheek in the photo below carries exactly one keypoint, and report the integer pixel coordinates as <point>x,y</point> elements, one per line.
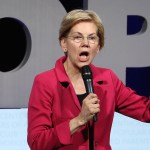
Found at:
<point>73,48</point>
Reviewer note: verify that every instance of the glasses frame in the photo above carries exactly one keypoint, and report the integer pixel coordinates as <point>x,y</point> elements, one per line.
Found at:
<point>79,38</point>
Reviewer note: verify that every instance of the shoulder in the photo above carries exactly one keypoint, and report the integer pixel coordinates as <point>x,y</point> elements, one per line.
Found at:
<point>101,71</point>
<point>104,74</point>
<point>45,77</point>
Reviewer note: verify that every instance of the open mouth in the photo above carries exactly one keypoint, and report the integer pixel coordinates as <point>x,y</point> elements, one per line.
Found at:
<point>84,56</point>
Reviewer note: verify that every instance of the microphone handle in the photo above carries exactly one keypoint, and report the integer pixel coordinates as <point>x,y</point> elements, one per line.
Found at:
<point>89,89</point>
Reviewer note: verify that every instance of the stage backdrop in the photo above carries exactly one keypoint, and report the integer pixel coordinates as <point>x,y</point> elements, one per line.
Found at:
<point>35,48</point>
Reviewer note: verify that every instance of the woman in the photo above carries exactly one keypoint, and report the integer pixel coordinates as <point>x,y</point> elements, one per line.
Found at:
<point>60,113</point>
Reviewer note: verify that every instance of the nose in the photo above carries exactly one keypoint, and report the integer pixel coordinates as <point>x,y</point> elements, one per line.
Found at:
<point>85,40</point>
<point>85,43</point>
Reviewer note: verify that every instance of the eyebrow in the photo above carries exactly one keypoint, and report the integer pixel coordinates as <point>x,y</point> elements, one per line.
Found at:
<point>82,34</point>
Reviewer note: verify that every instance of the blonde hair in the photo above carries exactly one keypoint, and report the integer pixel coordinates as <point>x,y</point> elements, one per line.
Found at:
<point>79,15</point>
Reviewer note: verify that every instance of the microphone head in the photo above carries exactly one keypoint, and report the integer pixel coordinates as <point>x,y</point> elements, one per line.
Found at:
<point>86,72</point>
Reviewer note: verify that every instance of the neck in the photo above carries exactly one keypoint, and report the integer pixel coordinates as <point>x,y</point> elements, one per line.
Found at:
<point>72,72</point>
<point>75,77</point>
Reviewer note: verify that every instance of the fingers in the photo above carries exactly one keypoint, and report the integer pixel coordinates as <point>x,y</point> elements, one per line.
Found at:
<point>92,103</point>
<point>93,109</point>
<point>91,99</point>
<point>90,107</point>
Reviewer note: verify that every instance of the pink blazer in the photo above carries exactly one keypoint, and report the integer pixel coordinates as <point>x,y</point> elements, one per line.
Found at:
<point>53,102</point>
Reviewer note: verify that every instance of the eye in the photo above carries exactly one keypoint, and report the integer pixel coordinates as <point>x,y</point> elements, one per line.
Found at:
<point>78,37</point>
<point>92,38</point>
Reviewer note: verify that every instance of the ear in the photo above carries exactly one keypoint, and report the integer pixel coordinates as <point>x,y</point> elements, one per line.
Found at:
<point>63,45</point>
<point>98,49</point>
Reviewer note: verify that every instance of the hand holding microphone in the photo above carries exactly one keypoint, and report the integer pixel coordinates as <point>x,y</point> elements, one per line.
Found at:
<point>87,78</point>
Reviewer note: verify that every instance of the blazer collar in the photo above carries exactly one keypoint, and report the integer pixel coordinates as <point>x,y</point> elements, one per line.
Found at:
<point>97,75</point>
<point>61,73</point>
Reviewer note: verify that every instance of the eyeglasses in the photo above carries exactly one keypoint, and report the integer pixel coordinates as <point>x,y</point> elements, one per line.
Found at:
<point>79,38</point>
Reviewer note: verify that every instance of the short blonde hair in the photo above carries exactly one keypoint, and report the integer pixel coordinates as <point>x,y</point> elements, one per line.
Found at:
<point>79,15</point>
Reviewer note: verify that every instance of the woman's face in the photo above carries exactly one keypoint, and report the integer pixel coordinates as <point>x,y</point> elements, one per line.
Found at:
<point>81,45</point>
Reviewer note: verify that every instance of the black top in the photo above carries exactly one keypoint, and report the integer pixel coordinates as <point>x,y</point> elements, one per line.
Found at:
<point>81,97</point>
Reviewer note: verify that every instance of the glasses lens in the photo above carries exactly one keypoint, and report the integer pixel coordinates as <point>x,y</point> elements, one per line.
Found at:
<point>80,38</point>
<point>92,39</point>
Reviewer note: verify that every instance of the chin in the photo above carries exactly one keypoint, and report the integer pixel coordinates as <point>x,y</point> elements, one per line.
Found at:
<point>84,64</point>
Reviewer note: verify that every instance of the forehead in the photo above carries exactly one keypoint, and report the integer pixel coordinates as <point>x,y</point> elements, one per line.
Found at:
<point>84,27</point>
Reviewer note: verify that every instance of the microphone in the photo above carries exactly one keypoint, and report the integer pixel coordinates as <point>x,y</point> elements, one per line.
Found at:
<point>87,78</point>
